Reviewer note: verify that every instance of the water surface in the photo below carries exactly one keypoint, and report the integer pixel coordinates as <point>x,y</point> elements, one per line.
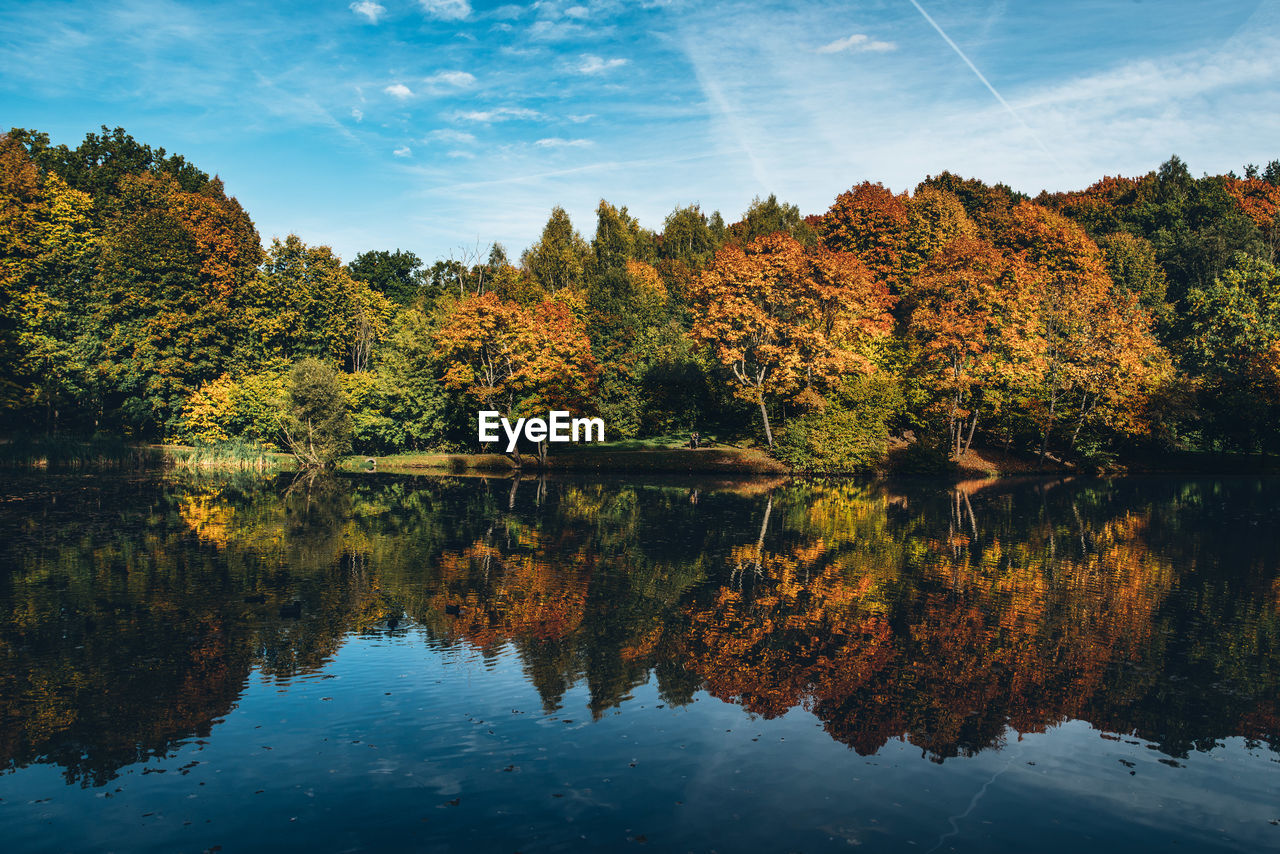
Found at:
<point>489,665</point>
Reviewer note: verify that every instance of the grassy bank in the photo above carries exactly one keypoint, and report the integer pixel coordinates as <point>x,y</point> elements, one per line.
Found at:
<point>613,457</point>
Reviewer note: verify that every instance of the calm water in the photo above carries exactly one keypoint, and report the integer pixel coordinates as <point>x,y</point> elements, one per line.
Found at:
<point>470,665</point>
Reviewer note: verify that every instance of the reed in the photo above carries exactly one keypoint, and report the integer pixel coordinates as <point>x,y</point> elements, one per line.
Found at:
<point>233,455</point>
<point>59,451</point>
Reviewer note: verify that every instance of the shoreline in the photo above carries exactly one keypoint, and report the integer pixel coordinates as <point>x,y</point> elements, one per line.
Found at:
<point>977,464</point>
<point>655,460</point>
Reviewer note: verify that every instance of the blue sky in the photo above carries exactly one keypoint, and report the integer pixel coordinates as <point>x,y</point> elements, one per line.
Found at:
<point>434,125</point>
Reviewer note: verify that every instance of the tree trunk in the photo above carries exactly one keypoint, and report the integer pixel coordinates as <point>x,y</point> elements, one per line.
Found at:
<point>1084,413</point>
<point>973,427</point>
<point>764,413</point>
<point>1044,442</point>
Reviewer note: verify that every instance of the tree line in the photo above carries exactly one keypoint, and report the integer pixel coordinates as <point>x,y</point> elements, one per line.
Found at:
<point>1138,316</point>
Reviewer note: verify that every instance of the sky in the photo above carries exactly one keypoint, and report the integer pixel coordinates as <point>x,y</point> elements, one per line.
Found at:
<point>439,126</point>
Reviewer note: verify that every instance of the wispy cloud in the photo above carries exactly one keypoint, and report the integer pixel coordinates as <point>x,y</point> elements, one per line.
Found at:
<point>369,10</point>
<point>403,151</point>
<point>451,136</point>
<point>456,79</point>
<point>508,12</point>
<point>858,42</point>
<point>499,114</point>
<point>743,86</point>
<point>558,142</point>
<point>592,64</point>
<point>447,10</point>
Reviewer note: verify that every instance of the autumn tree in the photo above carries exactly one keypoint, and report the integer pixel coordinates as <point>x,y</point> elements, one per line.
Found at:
<point>973,319</point>
<point>870,222</point>
<point>175,265</point>
<point>784,320</point>
<point>1096,342</point>
<point>988,205</point>
<point>515,359</point>
<point>1100,208</point>
<point>1259,198</point>
<point>934,219</point>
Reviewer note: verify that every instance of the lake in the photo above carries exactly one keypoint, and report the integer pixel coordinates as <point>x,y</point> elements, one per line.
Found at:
<point>468,664</point>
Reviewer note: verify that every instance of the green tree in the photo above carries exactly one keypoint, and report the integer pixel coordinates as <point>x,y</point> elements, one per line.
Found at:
<point>626,314</point>
<point>1233,344</point>
<point>1133,266</point>
<point>560,258</point>
<point>315,424</point>
<point>304,303</point>
<point>400,405</point>
<point>396,275</point>
<point>770,216</point>
<point>619,239</point>
<point>687,236</point>
<point>48,247</point>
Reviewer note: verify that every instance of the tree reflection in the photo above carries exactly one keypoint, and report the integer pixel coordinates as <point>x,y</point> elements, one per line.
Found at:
<point>132,613</point>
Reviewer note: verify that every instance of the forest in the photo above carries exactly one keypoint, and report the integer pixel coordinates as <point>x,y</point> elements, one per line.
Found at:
<point>1137,318</point>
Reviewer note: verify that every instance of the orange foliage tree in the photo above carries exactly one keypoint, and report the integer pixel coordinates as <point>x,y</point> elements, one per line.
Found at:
<point>784,320</point>
<point>973,320</point>
<point>1260,200</point>
<point>870,221</point>
<point>517,359</point>
<point>1097,348</point>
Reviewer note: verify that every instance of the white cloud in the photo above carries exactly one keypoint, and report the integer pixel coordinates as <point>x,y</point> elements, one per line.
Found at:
<point>500,114</point>
<point>460,79</point>
<point>456,137</point>
<point>403,151</point>
<point>447,10</point>
<point>857,42</point>
<point>370,10</point>
<point>578,12</point>
<point>399,90</point>
<point>548,30</point>
<point>592,64</point>
<point>357,114</point>
<point>557,142</point>
<point>579,119</point>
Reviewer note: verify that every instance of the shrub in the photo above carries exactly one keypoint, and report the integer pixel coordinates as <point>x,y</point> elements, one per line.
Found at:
<point>847,432</point>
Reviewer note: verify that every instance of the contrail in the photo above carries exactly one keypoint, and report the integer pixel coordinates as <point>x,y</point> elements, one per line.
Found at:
<point>954,820</point>
<point>987,83</point>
